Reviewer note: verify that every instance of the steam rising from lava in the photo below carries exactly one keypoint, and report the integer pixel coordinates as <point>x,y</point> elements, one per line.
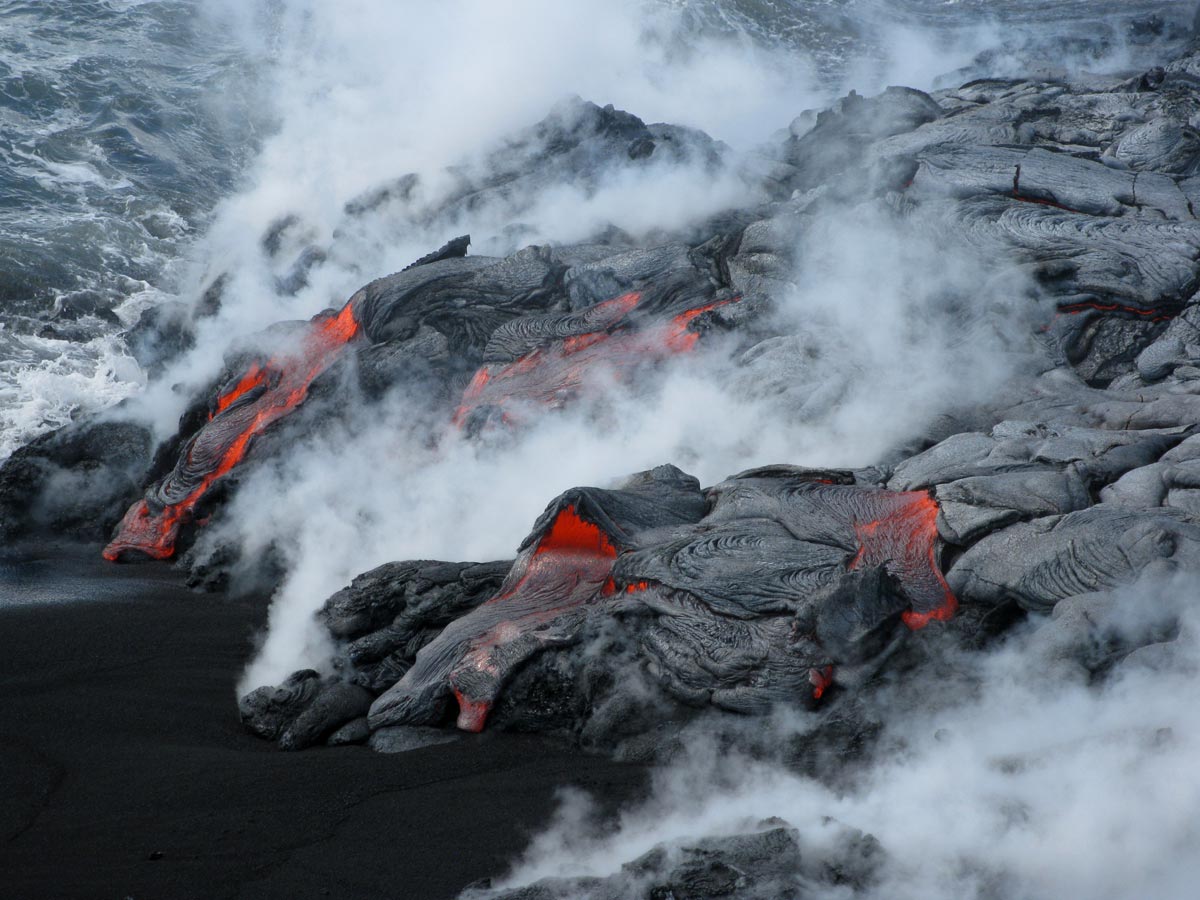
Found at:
<point>384,492</point>
<point>358,97</point>
<point>1005,779</point>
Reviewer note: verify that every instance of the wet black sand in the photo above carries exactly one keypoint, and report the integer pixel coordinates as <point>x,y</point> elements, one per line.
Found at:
<point>124,771</point>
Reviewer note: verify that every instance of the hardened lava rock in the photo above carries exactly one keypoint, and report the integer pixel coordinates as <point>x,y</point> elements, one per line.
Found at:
<point>769,588</point>
<point>1087,186</point>
<point>763,864</point>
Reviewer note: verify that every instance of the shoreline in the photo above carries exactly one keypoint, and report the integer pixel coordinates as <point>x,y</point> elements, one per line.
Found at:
<point>126,771</point>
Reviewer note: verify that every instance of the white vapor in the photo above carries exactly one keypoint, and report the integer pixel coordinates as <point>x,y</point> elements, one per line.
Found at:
<point>357,94</point>
<point>366,91</point>
<point>891,357</point>
<point>997,777</point>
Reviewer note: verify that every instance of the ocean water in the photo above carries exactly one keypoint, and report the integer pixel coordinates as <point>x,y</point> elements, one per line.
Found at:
<point>121,124</point>
<point>147,145</point>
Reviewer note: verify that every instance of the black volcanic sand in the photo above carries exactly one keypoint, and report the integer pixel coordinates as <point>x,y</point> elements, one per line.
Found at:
<point>124,771</point>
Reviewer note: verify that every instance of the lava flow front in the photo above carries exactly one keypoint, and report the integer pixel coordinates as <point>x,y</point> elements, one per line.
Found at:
<point>568,567</point>
<point>263,394</point>
<point>542,603</point>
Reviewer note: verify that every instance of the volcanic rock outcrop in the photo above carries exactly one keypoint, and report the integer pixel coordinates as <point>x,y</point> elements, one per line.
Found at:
<point>639,603</point>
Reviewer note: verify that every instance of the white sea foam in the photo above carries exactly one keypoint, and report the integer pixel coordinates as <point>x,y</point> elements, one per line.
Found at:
<point>45,383</point>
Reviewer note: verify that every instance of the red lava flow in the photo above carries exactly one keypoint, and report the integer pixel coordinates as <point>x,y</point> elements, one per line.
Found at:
<point>567,569</point>
<point>232,426</point>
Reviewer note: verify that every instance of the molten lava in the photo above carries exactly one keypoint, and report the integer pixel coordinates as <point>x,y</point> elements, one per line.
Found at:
<point>552,375</point>
<point>254,376</point>
<point>568,568</point>
<point>679,338</point>
<point>1023,198</point>
<point>263,395</point>
<point>904,539</point>
<point>1152,314</point>
<point>821,679</point>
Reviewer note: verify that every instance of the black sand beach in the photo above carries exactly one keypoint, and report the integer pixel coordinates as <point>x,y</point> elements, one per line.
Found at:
<point>124,771</point>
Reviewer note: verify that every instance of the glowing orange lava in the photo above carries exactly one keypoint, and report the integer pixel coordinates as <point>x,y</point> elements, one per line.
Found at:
<point>1154,315</point>
<point>550,376</point>
<point>472,714</point>
<point>1040,202</point>
<point>820,679</point>
<point>254,376</point>
<point>679,337</point>
<point>567,569</point>
<point>571,534</point>
<point>905,541</point>
<point>226,437</point>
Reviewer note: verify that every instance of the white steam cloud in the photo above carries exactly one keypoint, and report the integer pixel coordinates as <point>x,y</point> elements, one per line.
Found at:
<point>889,357</point>
<point>999,776</point>
<point>368,91</point>
<point>361,93</point>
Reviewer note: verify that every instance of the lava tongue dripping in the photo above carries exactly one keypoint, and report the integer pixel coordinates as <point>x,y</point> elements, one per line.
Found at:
<point>263,395</point>
<point>542,603</point>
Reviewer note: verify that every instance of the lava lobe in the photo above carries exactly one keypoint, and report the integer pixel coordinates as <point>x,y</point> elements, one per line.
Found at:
<point>550,376</point>
<point>263,394</point>
<point>803,572</point>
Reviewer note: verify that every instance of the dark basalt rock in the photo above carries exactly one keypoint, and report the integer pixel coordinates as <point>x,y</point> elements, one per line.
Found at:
<point>1087,635</point>
<point>1039,563</point>
<point>268,711</point>
<point>356,731</point>
<point>632,606</point>
<point>334,705</point>
<point>402,738</point>
<point>781,584</point>
<point>72,482</point>
<point>161,334</point>
<point>562,567</point>
<point>426,593</point>
<point>80,304</point>
<point>763,865</point>
<point>840,137</point>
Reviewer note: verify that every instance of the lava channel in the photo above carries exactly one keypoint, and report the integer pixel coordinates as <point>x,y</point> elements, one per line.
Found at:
<point>553,375</point>
<point>264,394</point>
<point>903,538</point>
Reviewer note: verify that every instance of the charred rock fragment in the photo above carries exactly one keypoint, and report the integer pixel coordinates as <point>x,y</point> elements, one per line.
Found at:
<point>72,482</point>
